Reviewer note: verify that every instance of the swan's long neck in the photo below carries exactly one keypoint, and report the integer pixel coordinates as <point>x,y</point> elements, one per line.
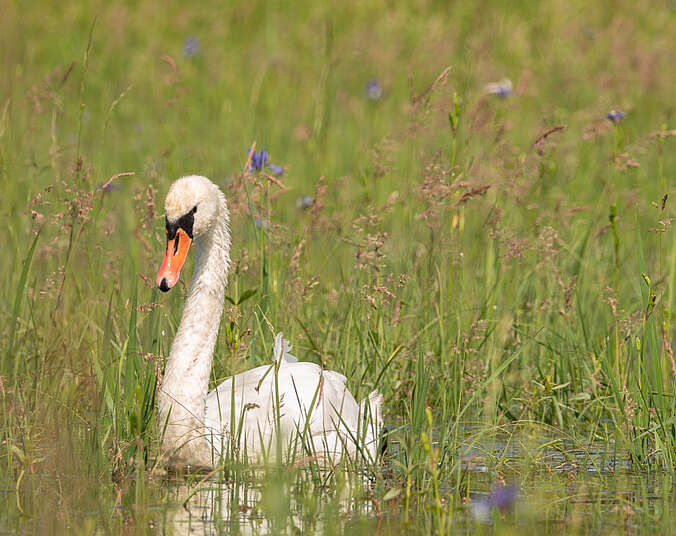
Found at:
<point>183,394</point>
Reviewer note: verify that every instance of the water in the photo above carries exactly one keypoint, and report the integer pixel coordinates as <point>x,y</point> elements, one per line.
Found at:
<point>563,487</point>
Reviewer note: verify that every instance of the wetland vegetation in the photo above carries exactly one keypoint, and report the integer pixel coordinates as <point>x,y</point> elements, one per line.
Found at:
<point>466,206</point>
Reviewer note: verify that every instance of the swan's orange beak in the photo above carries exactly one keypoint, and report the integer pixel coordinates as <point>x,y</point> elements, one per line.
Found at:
<point>174,259</point>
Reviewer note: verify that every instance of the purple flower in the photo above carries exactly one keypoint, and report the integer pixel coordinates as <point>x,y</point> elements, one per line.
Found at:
<point>504,497</point>
<point>259,160</point>
<point>502,89</point>
<point>191,47</point>
<point>615,116</point>
<point>374,89</point>
<point>108,186</point>
<point>304,202</point>
<point>500,498</point>
<point>261,222</point>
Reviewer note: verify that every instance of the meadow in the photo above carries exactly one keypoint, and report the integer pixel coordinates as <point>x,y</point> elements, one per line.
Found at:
<point>474,217</point>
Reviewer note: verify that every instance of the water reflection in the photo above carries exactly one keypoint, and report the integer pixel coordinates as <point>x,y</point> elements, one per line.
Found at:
<point>561,483</point>
<point>212,508</point>
<point>279,502</point>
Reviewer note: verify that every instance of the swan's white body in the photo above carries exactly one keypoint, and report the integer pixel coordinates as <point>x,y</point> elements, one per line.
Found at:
<point>298,407</point>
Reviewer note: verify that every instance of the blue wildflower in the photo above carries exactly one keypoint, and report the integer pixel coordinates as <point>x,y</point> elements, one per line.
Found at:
<point>502,89</point>
<point>259,160</point>
<point>374,89</point>
<point>304,202</point>
<point>261,222</point>
<point>191,47</point>
<point>500,498</point>
<point>108,186</point>
<point>615,116</point>
<point>503,497</point>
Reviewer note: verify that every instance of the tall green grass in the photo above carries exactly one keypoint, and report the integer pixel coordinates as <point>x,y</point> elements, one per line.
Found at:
<point>510,293</point>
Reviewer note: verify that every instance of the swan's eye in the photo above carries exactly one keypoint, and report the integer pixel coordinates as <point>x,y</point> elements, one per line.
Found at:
<point>194,209</point>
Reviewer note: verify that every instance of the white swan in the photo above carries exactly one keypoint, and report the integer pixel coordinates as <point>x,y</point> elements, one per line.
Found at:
<point>299,407</point>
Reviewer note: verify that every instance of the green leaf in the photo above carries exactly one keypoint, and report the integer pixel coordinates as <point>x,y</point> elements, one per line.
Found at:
<point>18,299</point>
<point>246,295</point>
<point>131,356</point>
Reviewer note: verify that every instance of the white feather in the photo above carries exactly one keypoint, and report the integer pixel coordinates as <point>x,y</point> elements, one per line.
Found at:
<point>282,350</point>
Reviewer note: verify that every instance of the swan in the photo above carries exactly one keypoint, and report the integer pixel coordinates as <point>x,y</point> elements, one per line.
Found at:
<point>306,410</point>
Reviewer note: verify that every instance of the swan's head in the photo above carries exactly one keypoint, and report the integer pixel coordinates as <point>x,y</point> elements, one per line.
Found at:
<point>192,208</point>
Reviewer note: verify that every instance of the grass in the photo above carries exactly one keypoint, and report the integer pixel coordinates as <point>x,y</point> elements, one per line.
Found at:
<point>507,285</point>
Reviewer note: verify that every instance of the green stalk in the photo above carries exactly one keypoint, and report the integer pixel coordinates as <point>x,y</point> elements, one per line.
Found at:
<point>16,309</point>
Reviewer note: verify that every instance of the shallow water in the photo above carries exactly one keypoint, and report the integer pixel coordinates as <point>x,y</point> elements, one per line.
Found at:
<point>566,488</point>
<point>561,488</point>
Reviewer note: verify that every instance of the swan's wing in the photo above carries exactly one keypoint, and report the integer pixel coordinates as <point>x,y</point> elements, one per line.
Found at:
<point>282,350</point>
<point>315,404</point>
<point>336,378</point>
<point>250,392</point>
